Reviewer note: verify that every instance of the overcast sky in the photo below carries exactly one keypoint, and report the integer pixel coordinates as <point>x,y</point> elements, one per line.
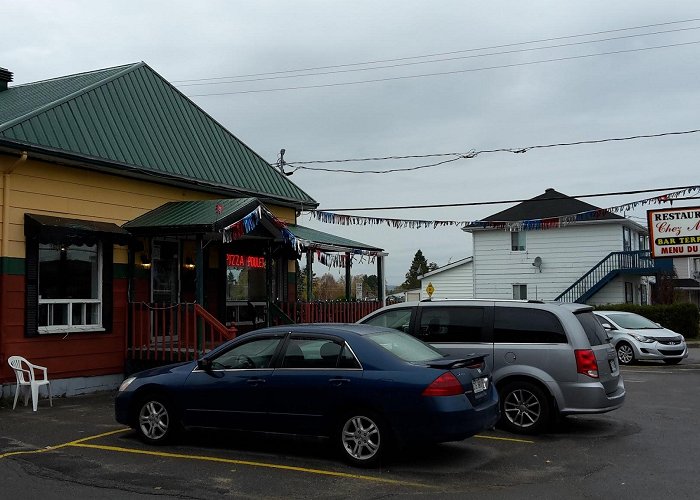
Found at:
<point>481,105</point>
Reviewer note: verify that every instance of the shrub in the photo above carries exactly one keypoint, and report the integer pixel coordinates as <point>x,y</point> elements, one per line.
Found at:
<point>681,318</point>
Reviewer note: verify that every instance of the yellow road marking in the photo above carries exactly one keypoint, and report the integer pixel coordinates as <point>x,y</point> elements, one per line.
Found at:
<point>512,440</point>
<point>250,463</point>
<point>63,445</point>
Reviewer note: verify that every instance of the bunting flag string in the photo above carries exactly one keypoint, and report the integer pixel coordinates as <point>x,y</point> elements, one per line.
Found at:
<point>521,225</point>
<point>331,257</point>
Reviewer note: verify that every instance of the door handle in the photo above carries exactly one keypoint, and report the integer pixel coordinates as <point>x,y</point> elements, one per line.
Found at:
<point>255,381</point>
<point>338,381</point>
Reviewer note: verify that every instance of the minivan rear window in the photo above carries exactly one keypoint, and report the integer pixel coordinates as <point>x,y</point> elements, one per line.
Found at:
<point>594,330</point>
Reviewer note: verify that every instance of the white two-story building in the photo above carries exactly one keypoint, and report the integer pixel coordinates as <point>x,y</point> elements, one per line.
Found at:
<point>599,259</point>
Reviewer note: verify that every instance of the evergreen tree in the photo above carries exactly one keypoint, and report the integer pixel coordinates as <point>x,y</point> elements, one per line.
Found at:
<point>419,266</point>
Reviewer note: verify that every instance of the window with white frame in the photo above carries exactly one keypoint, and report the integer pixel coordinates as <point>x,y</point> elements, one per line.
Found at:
<point>70,291</point>
<point>517,241</point>
<point>520,292</point>
<point>626,239</point>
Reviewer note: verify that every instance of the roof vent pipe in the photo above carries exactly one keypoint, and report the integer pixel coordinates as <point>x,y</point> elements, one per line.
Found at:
<point>5,78</point>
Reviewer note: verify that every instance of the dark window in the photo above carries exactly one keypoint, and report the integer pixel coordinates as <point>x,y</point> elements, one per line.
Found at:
<point>451,324</point>
<point>594,330</point>
<point>399,319</point>
<point>254,354</point>
<point>515,325</point>
<point>313,352</point>
<point>517,241</point>
<point>629,293</point>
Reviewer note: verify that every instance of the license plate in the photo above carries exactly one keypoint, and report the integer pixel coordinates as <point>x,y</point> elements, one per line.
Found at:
<point>480,384</point>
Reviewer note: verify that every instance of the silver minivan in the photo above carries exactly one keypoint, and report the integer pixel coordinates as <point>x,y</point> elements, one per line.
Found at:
<point>546,358</point>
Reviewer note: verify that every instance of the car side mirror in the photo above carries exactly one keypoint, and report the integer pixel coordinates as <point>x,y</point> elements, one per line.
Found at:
<point>608,326</point>
<point>204,364</point>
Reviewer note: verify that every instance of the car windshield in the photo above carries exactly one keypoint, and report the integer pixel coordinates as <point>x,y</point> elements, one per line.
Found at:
<point>633,321</point>
<point>405,347</point>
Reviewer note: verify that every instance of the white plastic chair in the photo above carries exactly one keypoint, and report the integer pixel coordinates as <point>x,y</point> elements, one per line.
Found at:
<point>26,376</point>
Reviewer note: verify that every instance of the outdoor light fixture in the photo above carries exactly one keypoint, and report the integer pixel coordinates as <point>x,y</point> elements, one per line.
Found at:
<point>189,264</point>
<point>145,261</point>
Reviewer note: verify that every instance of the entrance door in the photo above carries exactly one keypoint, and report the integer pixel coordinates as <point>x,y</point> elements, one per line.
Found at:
<point>164,275</point>
<point>165,292</point>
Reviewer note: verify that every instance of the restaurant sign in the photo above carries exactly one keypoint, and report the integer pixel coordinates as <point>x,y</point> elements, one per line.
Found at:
<point>674,232</point>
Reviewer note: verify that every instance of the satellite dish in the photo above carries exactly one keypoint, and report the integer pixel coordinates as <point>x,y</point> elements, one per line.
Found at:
<point>538,263</point>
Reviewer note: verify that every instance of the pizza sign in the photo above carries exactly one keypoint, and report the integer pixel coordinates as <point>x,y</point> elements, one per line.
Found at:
<point>237,260</point>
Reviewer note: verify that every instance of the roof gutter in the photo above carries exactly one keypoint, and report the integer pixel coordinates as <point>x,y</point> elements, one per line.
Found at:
<point>6,202</point>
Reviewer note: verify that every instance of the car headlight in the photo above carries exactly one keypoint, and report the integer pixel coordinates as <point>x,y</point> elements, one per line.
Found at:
<point>126,383</point>
<point>641,338</point>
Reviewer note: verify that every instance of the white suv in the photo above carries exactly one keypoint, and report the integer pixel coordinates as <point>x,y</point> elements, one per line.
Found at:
<point>546,358</point>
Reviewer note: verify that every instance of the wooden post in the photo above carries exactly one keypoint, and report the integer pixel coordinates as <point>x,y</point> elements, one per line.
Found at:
<point>309,276</point>
<point>381,290</point>
<point>199,293</point>
<point>348,288</point>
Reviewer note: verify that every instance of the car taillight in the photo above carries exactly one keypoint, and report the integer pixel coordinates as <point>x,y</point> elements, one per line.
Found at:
<point>586,363</point>
<point>445,385</point>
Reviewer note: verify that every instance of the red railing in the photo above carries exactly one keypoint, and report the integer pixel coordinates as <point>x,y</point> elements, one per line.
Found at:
<point>327,312</point>
<point>173,332</point>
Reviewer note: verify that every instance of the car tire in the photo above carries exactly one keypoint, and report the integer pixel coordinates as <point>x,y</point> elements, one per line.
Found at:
<point>672,361</point>
<point>362,438</point>
<point>525,408</point>
<point>625,353</point>
<point>155,420</point>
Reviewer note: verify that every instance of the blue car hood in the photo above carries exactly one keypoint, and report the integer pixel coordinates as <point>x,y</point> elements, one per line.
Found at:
<point>186,366</point>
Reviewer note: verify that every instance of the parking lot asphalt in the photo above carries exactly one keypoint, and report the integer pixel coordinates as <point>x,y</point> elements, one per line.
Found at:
<point>647,448</point>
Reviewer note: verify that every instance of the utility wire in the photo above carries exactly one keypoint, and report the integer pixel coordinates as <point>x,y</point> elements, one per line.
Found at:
<point>500,202</point>
<point>471,56</point>
<point>437,54</point>
<point>300,165</point>
<point>454,72</point>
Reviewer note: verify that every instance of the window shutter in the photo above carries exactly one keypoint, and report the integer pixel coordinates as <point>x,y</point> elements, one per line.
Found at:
<point>107,284</point>
<point>31,284</point>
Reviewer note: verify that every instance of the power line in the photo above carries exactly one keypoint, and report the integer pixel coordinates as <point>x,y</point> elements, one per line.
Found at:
<point>444,73</point>
<point>471,154</point>
<point>437,54</point>
<point>471,56</point>
<point>500,202</point>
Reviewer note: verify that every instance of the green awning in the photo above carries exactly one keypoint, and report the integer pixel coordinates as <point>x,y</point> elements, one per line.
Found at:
<point>48,229</point>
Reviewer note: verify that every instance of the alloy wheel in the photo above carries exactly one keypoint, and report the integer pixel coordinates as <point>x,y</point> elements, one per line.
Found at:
<point>625,354</point>
<point>361,438</point>
<point>522,408</point>
<point>154,420</point>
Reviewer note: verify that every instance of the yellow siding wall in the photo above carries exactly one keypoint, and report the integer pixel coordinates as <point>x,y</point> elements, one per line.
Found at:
<point>44,188</point>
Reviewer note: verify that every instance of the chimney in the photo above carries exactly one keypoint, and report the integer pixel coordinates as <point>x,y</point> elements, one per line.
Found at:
<point>5,78</point>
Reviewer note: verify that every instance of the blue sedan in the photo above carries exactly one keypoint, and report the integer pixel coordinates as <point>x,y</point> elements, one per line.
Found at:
<point>365,387</point>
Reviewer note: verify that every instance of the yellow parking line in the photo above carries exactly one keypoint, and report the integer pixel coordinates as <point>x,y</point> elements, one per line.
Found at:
<point>63,445</point>
<point>250,463</point>
<point>512,440</point>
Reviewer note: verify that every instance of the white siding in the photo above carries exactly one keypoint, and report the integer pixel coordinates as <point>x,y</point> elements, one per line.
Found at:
<point>567,254</point>
<point>453,283</point>
<point>614,292</point>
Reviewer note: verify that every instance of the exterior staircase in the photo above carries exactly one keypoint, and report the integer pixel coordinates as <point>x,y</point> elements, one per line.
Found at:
<point>637,262</point>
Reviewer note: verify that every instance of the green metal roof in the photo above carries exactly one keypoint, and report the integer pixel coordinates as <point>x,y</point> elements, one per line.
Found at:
<point>130,120</point>
<point>306,233</point>
<point>178,217</point>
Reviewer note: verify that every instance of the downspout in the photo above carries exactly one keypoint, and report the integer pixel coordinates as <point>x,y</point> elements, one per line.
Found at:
<point>6,202</point>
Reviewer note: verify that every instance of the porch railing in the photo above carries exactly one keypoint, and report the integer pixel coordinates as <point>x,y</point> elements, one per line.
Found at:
<point>325,312</point>
<point>173,332</point>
